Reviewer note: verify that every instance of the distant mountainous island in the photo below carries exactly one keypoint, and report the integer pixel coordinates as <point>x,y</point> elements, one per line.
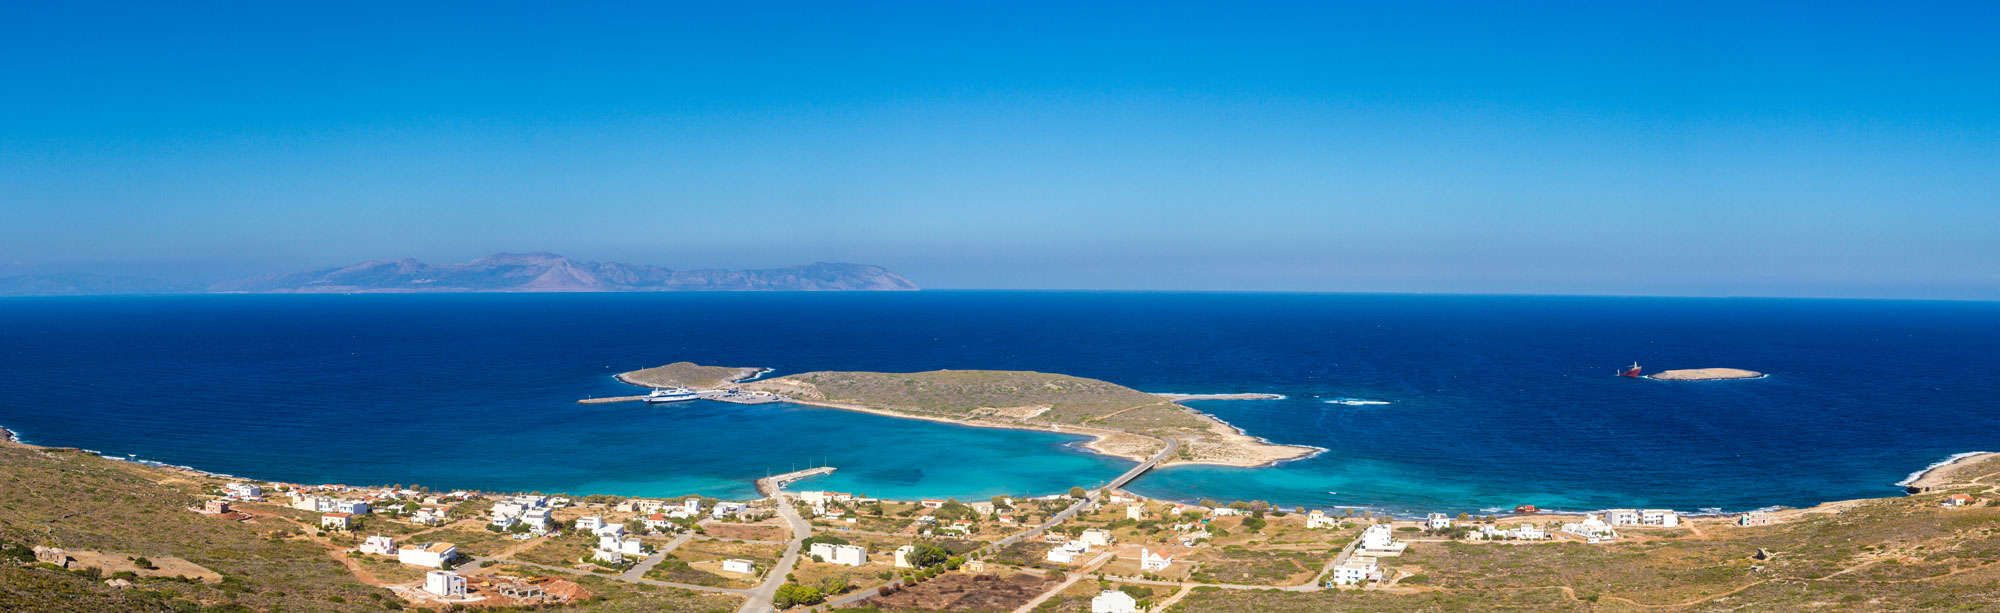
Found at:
<point>503,272</point>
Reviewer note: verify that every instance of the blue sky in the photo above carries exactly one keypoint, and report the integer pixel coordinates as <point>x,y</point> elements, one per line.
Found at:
<point>1809,149</point>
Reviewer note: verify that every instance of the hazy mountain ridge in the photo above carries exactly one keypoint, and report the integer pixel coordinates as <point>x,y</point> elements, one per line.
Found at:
<point>502,272</point>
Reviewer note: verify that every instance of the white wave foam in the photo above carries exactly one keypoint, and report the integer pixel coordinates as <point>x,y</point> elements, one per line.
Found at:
<point>1920,474</point>
<point>1356,402</point>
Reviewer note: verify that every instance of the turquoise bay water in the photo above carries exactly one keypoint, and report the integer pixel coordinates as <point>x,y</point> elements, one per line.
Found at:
<point>1471,402</point>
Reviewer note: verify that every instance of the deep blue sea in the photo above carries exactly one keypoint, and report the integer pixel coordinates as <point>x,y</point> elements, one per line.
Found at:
<point>1490,401</point>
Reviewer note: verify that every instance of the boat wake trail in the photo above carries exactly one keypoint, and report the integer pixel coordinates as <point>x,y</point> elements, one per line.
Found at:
<point>1356,402</point>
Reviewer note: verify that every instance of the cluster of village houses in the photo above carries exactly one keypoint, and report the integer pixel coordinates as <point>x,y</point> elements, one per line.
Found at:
<point>614,545</point>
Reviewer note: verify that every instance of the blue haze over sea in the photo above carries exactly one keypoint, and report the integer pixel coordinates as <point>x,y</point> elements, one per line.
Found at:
<point>1491,401</point>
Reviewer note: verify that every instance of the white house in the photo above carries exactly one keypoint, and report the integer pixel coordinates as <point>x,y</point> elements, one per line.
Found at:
<point>1664,518</point>
<point>1380,540</point>
<point>1135,512</point>
<point>444,584</point>
<point>1437,521</point>
<point>243,490</point>
<point>309,502</point>
<point>1754,518</point>
<point>692,506</point>
<point>1225,512</point>
<point>1097,537</point>
<point>1357,570</point>
<point>589,523</point>
<point>1067,553</point>
<point>850,555</point>
<point>507,509</point>
<point>657,521</point>
<point>1189,539</point>
<point>1621,517</point>
<point>1528,532</point>
<point>355,507</point>
<point>632,546</point>
<point>903,555</point>
<point>607,555</point>
<point>609,542</point>
<point>1318,519</point>
<point>1149,561</point>
<point>734,565</point>
<point>538,519</point>
<point>1114,601</point>
<point>379,545</point>
<point>1592,529</point>
<point>726,509</point>
<point>338,521</point>
<point>429,517</point>
<point>506,521</point>
<point>434,555</point>
<point>617,530</point>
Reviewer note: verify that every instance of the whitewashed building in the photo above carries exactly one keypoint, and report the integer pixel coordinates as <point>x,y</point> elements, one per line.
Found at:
<point>1357,570</point>
<point>1437,521</point>
<point>1664,518</point>
<point>243,491</point>
<point>589,523</point>
<point>434,555</point>
<point>379,545</point>
<point>1621,517</point>
<point>903,555</point>
<point>849,555</point>
<point>735,565</point>
<point>444,584</point>
<point>1096,537</point>
<point>1153,562</point>
<point>1318,519</point>
<point>1113,601</point>
<point>1380,540</point>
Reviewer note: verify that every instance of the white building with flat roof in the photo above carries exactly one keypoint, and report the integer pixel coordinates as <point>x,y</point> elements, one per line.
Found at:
<point>1318,519</point>
<point>379,545</point>
<point>1096,537</point>
<point>1379,540</point>
<point>1114,601</point>
<point>444,584</point>
<point>1664,518</point>
<point>850,555</point>
<point>434,555</point>
<point>735,565</point>
<point>1621,517</point>
<point>1357,570</point>
<point>1437,521</point>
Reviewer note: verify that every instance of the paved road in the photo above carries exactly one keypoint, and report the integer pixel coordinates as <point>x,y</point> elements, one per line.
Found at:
<point>1064,515</point>
<point>760,599</point>
<point>1078,576</point>
<point>638,571</point>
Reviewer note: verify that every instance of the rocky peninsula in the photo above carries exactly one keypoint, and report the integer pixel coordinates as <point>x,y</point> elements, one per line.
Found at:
<point>1705,374</point>
<point>1123,422</point>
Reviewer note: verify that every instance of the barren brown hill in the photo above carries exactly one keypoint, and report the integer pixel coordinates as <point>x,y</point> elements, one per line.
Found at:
<point>688,374</point>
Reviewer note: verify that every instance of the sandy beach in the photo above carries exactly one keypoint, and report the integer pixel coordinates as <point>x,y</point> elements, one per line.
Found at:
<point>1945,473</point>
<point>1705,374</point>
<point>1224,445</point>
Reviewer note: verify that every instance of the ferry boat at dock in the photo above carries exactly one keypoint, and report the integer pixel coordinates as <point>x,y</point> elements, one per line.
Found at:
<point>671,394</point>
